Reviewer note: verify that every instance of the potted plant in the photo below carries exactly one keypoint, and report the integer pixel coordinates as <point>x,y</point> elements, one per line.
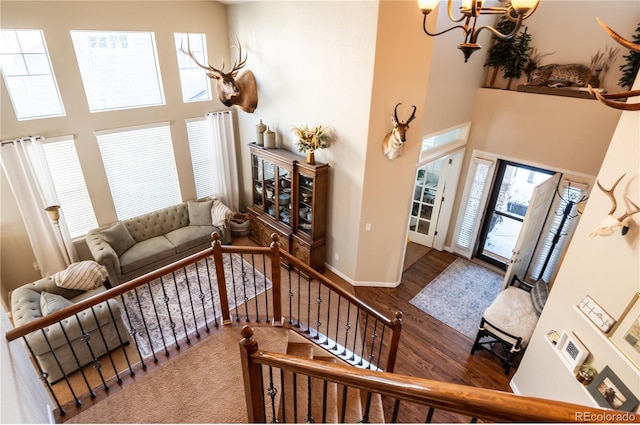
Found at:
<point>312,138</point>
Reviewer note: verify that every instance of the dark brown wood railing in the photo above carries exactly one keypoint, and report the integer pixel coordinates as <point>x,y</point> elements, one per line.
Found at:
<point>476,403</point>
<point>358,334</point>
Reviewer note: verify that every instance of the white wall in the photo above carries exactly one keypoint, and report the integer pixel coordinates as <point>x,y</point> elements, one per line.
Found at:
<point>606,268</point>
<point>23,398</point>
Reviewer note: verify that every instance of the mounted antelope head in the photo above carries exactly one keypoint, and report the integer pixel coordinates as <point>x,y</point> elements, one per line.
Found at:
<point>241,91</point>
<point>610,223</point>
<point>608,99</point>
<point>394,141</point>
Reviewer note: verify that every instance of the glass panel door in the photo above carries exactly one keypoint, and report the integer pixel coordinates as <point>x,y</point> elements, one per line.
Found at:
<point>269,188</point>
<point>426,197</point>
<point>256,173</point>
<point>284,196</point>
<point>305,204</point>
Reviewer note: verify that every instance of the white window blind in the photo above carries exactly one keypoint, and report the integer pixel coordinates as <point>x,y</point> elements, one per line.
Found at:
<point>141,168</point>
<point>119,69</point>
<point>480,172</point>
<point>28,74</point>
<point>69,184</point>
<point>201,156</point>
<point>195,84</point>
<point>553,240</point>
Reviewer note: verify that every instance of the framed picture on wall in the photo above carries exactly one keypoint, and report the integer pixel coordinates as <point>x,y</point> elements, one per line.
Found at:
<point>610,392</point>
<point>626,334</point>
<point>571,351</point>
<point>596,314</point>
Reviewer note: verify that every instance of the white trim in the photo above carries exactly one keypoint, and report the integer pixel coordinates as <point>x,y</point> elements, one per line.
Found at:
<point>363,283</point>
<point>132,128</point>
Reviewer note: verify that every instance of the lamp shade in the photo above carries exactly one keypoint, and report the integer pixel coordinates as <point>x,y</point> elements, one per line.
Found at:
<point>427,6</point>
<point>523,6</point>
<point>54,212</point>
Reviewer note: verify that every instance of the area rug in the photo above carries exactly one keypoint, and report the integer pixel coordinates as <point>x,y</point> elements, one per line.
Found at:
<point>183,303</point>
<point>459,295</point>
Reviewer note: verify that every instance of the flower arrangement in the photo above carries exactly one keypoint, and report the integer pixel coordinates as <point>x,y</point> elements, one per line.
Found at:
<point>310,139</point>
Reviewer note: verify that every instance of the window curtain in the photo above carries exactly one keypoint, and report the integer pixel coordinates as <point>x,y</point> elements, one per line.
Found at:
<point>28,174</point>
<point>221,138</point>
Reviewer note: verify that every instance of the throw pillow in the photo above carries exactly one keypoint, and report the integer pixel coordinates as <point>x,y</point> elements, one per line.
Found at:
<point>220,214</point>
<point>119,238</point>
<point>50,303</point>
<point>199,213</point>
<point>539,295</point>
<point>83,276</point>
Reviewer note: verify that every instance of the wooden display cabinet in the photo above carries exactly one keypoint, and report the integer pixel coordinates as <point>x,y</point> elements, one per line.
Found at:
<point>290,199</point>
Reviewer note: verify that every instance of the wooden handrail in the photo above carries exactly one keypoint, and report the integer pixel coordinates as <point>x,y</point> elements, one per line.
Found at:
<point>480,403</point>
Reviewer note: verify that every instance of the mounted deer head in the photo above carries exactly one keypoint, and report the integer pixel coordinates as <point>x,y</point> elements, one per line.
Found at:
<point>394,141</point>
<point>241,91</point>
<point>610,223</point>
<point>608,99</point>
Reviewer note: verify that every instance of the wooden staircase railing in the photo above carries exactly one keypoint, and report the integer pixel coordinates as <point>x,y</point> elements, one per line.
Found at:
<point>476,403</point>
<point>299,298</point>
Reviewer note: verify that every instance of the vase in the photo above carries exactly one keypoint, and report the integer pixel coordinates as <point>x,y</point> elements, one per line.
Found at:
<point>311,159</point>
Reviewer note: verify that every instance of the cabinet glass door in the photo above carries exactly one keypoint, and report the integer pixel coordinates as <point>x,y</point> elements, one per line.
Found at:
<point>256,173</point>
<point>305,204</point>
<point>269,188</point>
<point>284,196</point>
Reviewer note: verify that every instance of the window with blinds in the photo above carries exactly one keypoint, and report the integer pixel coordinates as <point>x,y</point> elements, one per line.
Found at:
<point>474,199</point>
<point>201,156</point>
<point>69,185</point>
<point>28,74</point>
<point>140,167</point>
<point>557,232</point>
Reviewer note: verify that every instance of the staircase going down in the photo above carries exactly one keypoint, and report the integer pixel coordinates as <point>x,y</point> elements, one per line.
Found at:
<point>309,400</point>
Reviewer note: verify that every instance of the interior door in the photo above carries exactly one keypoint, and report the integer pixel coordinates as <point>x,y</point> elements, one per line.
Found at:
<point>534,220</point>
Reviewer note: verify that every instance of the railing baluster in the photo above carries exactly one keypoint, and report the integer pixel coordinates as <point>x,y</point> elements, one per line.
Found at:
<point>374,336</point>
<point>264,404</point>
<point>290,296</point>
<point>120,339</point>
<point>172,323</point>
<point>134,332</point>
<point>347,328</point>
<point>193,310</point>
<point>244,289</point>
<point>335,342</point>
<point>380,344</point>
<point>343,410</point>
<point>155,310</point>
<point>355,334</point>
<point>429,418</point>
<point>255,288</point>
<point>184,322</point>
<point>328,316</point>
<point>299,301</point>
<point>396,408</point>
<point>211,292</point>
<point>43,377</point>
<point>309,419</point>
<point>319,303</point>
<point>364,338</point>
<point>64,374</point>
<point>272,391</point>
<point>309,305</point>
<point>325,387</point>
<point>86,338</point>
<point>233,284</point>
<point>266,290</point>
<point>92,394</point>
<point>367,408</point>
<point>106,345</point>
<point>295,397</point>
<point>201,297</point>
<point>283,403</point>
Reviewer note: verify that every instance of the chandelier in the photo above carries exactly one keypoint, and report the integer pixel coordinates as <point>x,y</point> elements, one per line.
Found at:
<point>470,10</point>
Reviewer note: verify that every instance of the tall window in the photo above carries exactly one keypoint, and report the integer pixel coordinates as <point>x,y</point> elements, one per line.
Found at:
<point>195,83</point>
<point>69,184</point>
<point>28,75</point>
<point>201,156</point>
<point>119,69</point>
<point>141,168</point>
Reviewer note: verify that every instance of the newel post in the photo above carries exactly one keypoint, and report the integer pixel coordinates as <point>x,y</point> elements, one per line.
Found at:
<point>252,377</point>
<point>395,341</point>
<point>222,284</point>
<point>278,320</point>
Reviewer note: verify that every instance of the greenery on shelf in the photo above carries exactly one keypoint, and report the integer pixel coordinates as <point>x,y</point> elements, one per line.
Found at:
<point>632,65</point>
<point>510,55</point>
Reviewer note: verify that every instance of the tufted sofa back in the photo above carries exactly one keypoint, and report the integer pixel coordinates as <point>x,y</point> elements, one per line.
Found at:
<point>158,223</point>
<point>25,300</point>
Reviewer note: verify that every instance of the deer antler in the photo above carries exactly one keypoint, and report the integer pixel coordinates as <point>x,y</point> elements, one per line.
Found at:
<point>240,63</point>
<point>207,67</point>
<point>606,98</point>
<point>610,222</point>
<point>614,203</point>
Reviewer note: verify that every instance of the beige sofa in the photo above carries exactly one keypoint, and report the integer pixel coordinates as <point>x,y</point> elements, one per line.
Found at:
<point>44,296</point>
<point>133,247</point>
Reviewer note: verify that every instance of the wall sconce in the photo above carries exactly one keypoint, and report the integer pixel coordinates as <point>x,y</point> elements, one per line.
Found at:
<point>470,10</point>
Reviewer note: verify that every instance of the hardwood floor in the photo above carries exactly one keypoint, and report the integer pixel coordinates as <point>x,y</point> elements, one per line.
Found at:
<point>429,348</point>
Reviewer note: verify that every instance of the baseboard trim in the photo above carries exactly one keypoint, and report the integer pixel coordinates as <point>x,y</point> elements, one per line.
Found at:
<point>362,283</point>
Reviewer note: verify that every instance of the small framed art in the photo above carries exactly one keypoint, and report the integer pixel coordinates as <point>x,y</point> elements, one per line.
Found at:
<point>626,334</point>
<point>596,314</point>
<point>610,392</point>
<point>571,351</point>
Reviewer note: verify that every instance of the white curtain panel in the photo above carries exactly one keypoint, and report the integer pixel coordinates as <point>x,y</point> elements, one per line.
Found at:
<point>221,138</point>
<point>28,174</point>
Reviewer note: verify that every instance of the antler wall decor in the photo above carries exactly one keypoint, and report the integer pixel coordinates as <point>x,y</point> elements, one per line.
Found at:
<point>394,141</point>
<point>609,99</point>
<point>241,91</point>
<point>610,223</point>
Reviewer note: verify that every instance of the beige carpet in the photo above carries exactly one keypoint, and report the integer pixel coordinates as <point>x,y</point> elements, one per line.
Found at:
<point>204,386</point>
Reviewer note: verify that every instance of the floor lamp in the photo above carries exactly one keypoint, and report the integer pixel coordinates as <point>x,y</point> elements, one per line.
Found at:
<point>54,214</point>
